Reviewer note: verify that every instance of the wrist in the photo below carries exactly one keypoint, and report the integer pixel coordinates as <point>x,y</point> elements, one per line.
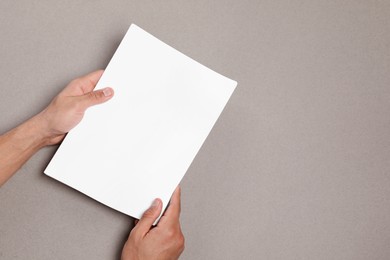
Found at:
<point>27,137</point>
<point>41,133</point>
<point>35,130</point>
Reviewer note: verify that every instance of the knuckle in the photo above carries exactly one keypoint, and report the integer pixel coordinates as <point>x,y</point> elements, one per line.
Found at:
<point>170,234</point>
<point>174,234</point>
<point>181,242</point>
<point>148,213</point>
<point>94,95</point>
<point>76,81</point>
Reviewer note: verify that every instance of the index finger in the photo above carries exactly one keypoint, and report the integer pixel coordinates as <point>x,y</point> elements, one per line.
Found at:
<point>83,85</point>
<point>89,81</point>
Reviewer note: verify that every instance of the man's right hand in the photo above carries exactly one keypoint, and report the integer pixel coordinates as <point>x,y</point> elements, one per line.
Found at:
<point>164,241</point>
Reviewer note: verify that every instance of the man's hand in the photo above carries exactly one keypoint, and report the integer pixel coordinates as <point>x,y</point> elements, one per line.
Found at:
<point>50,126</point>
<point>68,107</point>
<point>164,241</point>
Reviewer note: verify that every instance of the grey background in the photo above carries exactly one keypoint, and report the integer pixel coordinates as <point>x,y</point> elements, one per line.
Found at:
<point>297,166</point>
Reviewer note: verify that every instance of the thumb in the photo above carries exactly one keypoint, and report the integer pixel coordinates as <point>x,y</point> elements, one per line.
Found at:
<point>149,217</point>
<point>96,97</point>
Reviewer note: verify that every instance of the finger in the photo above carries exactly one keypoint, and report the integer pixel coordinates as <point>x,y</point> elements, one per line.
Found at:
<point>95,97</point>
<point>174,208</point>
<point>89,81</point>
<point>149,217</point>
<point>82,85</point>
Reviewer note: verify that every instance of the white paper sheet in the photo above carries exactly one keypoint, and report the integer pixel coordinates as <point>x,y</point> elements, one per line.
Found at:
<point>138,146</point>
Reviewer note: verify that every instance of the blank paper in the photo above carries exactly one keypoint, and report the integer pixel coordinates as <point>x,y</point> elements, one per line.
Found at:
<point>137,146</point>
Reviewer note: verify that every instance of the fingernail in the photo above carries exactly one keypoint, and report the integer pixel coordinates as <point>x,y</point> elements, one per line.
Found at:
<point>107,92</point>
<point>155,203</point>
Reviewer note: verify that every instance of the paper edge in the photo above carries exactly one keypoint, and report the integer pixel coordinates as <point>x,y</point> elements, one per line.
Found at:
<point>232,89</point>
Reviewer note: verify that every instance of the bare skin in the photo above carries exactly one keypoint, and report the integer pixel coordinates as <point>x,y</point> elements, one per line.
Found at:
<point>49,127</point>
<point>164,241</point>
